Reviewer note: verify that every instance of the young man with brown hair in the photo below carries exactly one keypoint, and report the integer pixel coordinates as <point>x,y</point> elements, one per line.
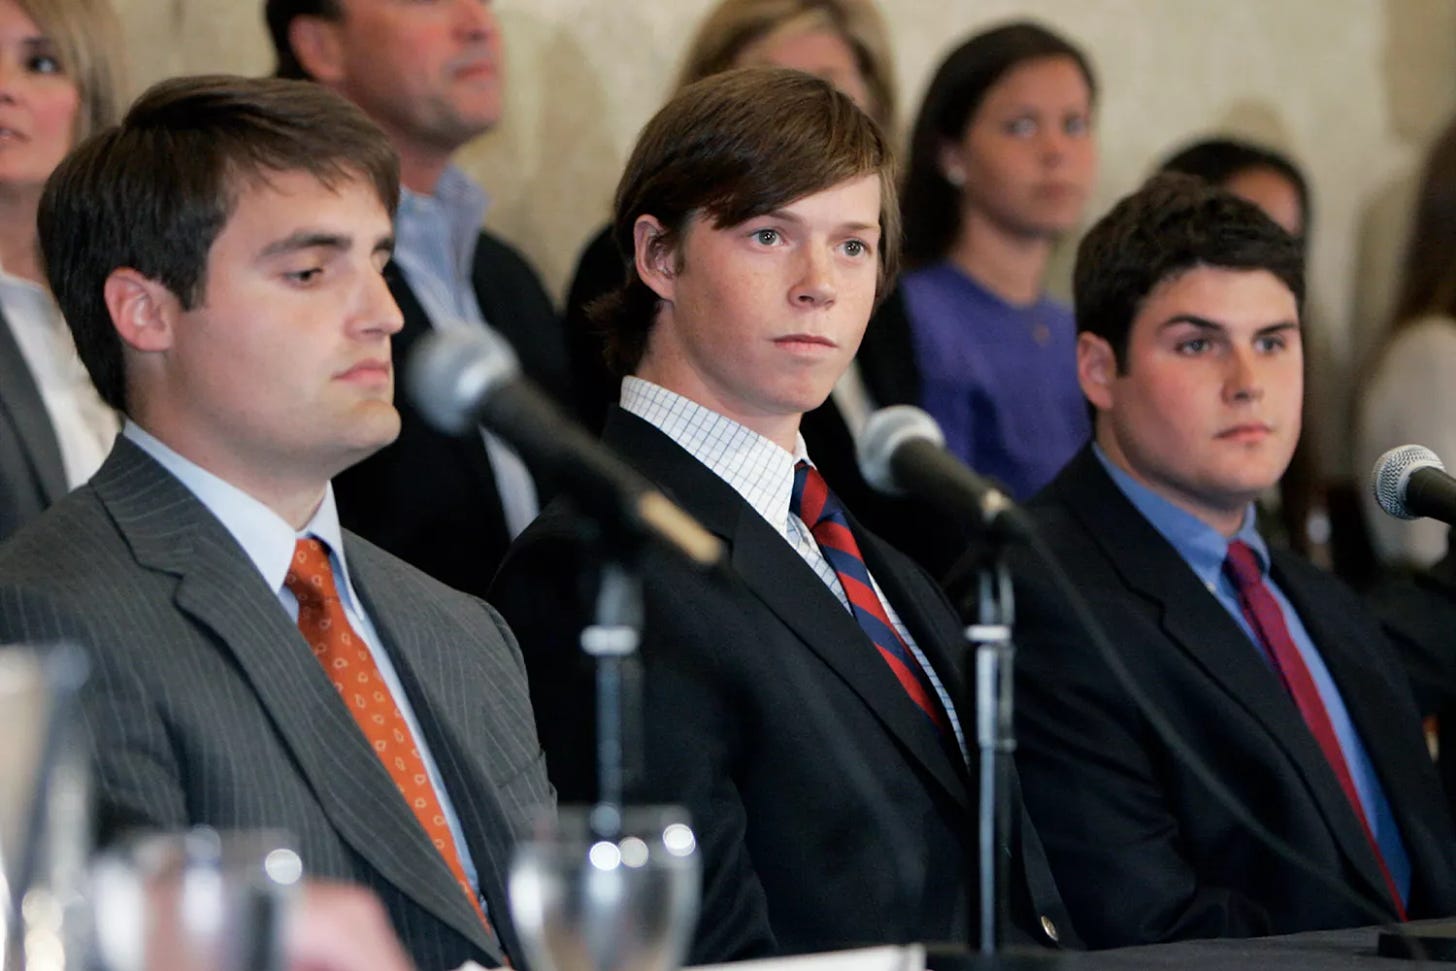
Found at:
<point>219,257</point>
<point>806,711</point>
<point>1188,305</point>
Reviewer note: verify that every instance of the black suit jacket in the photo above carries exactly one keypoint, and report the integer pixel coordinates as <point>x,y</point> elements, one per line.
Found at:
<point>1140,848</point>
<point>206,706</point>
<point>430,498</point>
<point>32,475</point>
<point>828,811</point>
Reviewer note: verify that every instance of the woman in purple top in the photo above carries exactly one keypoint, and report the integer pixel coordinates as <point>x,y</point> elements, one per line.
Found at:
<point>1002,159</point>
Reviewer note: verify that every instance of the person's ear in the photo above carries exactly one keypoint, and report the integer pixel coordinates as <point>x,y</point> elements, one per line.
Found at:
<point>1096,369</point>
<point>656,256</point>
<point>143,311</point>
<point>318,48</point>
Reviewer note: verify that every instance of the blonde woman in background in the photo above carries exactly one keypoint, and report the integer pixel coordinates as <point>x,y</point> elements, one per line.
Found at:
<point>61,79</point>
<point>845,42</point>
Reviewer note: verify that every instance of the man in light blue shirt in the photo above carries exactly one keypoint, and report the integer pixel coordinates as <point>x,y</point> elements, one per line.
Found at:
<point>219,257</point>
<point>1189,352</point>
<point>430,75</point>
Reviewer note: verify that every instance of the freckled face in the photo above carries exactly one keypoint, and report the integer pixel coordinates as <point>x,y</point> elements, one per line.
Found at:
<point>762,318</point>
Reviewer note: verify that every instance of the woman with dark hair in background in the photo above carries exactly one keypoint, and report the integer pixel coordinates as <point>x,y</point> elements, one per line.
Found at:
<point>1260,175</point>
<point>842,41</point>
<point>60,80</point>
<point>1001,163</point>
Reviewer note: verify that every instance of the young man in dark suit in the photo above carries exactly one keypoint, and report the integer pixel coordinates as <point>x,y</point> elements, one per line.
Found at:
<point>1188,305</point>
<point>809,710</point>
<point>219,258</point>
<point>431,75</point>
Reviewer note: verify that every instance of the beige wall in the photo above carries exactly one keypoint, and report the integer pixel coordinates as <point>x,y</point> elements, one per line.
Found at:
<point>1353,88</point>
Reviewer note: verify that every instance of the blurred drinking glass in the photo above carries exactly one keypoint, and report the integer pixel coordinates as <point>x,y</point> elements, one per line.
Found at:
<point>200,900</point>
<point>45,821</point>
<point>607,889</point>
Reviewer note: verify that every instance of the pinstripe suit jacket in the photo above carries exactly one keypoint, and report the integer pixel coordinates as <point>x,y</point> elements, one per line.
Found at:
<point>206,706</point>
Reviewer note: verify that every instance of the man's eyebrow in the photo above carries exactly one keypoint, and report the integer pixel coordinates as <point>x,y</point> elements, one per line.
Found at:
<point>1204,323</point>
<point>307,239</point>
<point>853,226</point>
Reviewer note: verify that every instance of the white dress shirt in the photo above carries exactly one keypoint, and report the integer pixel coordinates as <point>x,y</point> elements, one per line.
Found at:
<point>84,426</point>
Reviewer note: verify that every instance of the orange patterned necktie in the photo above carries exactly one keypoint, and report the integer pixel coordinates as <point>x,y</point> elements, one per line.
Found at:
<point>349,664</point>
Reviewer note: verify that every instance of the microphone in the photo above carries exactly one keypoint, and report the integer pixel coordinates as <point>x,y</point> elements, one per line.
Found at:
<point>461,378</point>
<point>1410,482</point>
<point>902,451</point>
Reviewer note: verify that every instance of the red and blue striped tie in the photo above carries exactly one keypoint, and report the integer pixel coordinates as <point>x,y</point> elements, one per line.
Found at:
<point>821,512</point>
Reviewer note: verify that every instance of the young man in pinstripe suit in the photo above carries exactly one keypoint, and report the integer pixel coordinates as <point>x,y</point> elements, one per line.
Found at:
<point>219,256</point>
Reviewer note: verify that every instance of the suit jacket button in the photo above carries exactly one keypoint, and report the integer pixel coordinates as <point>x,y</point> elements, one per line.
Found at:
<point>1049,927</point>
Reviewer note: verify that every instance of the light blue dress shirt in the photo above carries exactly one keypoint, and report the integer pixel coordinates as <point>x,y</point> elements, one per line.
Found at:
<point>435,242</point>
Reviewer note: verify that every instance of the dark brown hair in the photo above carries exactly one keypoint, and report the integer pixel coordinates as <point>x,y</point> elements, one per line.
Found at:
<point>728,148</point>
<point>1172,224</point>
<point>1221,160</point>
<point>154,192</point>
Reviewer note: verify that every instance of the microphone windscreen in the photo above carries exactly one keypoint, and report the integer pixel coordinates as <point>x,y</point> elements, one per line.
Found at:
<point>450,372</point>
<point>1392,471</point>
<point>884,432</point>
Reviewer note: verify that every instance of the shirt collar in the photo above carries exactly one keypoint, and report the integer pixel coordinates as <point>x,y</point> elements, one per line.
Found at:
<point>1201,546</point>
<point>755,467</point>
<point>265,537</point>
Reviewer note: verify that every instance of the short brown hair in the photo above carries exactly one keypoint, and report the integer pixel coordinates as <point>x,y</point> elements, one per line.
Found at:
<point>733,26</point>
<point>88,41</point>
<point>1173,224</point>
<point>154,192</point>
<point>731,147</point>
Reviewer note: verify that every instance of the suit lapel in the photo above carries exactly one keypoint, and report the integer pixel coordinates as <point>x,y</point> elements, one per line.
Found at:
<point>20,400</point>
<point>442,706</point>
<point>220,589</point>
<point>1199,625</point>
<point>1399,760</point>
<point>787,586</point>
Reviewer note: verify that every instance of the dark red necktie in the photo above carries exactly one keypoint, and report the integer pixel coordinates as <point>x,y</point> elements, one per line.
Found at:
<point>821,512</point>
<point>1262,612</point>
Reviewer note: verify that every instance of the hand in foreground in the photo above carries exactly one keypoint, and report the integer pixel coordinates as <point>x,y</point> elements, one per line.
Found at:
<point>338,927</point>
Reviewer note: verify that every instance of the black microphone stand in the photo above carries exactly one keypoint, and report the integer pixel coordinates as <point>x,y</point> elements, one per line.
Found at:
<point>612,640</point>
<point>983,573</point>
<point>990,639</point>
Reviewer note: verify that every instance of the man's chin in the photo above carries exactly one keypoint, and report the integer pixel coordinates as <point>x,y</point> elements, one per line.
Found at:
<point>374,432</point>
